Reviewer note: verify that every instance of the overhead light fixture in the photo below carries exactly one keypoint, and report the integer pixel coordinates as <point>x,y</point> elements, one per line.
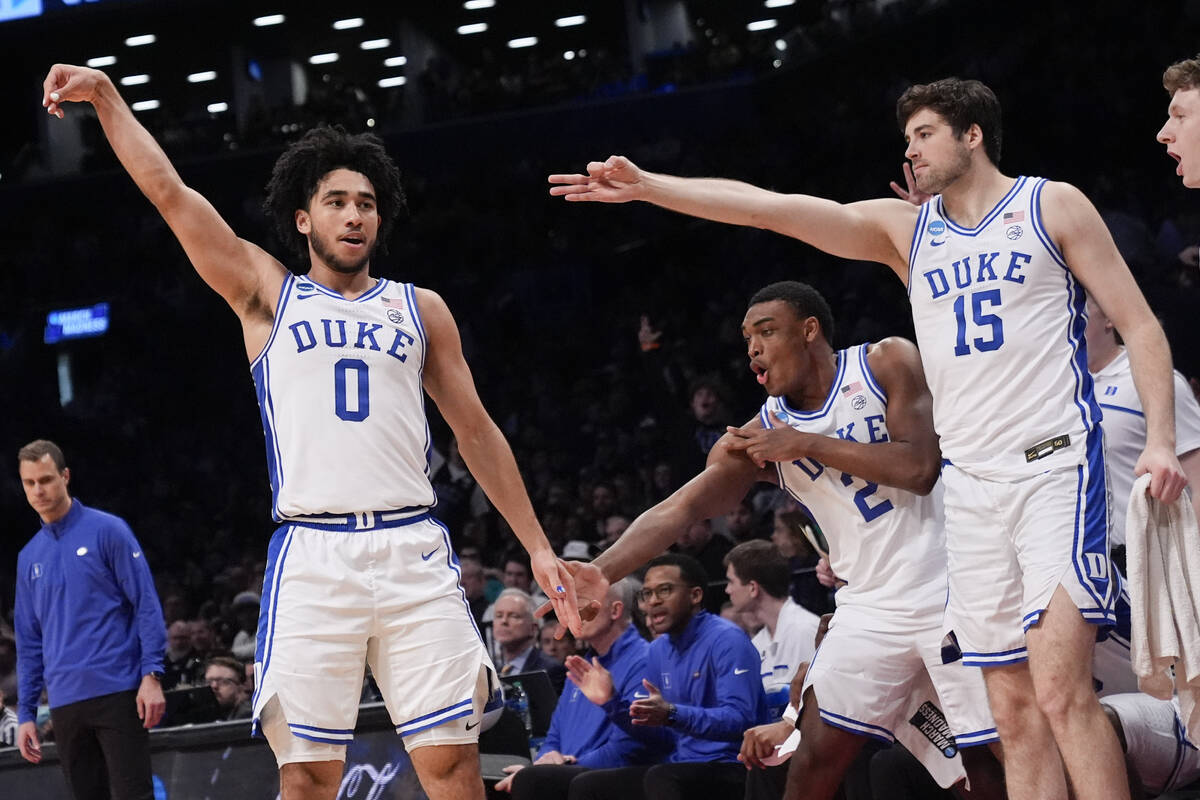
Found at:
<point>375,44</point>
<point>567,22</point>
<point>145,105</point>
<point>143,39</point>
<point>476,5</point>
<point>781,44</point>
<point>135,80</point>
<point>102,61</point>
<point>523,41</point>
<point>347,24</point>
<point>474,27</point>
<point>762,25</point>
<point>395,61</point>
<point>217,108</point>
<point>569,55</point>
<point>395,80</point>
<point>269,19</point>
<point>202,77</point>
<point>779,3</point>
<point>323,58</point>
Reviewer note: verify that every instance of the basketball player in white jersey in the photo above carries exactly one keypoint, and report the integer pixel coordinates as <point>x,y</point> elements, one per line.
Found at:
<point>996,269</point>
<point>358,572</point>
<point>1181,132</point>
<point>852,437</point>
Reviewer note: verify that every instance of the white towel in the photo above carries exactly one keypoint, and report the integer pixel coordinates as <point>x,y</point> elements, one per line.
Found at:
<point>1163,557</point>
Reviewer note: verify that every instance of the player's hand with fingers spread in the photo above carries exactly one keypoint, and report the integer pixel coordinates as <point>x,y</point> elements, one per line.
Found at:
<point>590,589</point>
<point>66,83</point>
<point>558,584</point>
<point>653,710</point>
<point>617,180</point>
<point>910,194</point>
<point>760,741</point>
<point>763,445</point>
<point>592,678</point>
<point>1167,478</point>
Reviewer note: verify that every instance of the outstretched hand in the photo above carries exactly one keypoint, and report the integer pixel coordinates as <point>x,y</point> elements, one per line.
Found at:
<point>762,445</point>
<point>592,678</point>
<point>67,83</point>
<point>590,588</point>
<point>617,180</point>
<point>910,194</point>
<point>557,582</point>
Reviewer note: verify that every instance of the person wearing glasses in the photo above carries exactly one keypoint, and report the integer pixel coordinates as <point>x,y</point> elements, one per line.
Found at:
<point>227,678</point>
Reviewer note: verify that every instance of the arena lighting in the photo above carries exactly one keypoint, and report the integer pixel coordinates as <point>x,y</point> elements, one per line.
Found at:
<point>523,41</point>
<point>569,55</point>
<point>475,5</point>
<point>474,27</point>
<point>375,44</point>
<point>217,108</point>
<point>395,61</point>
<point>144,105</point>
<point>323,58</point>
<point>138,41</point>
<point>347,24</point>
<point>102,61</point>
<point>779,3</point>
<point>780,44</point>
<point>567,22</point>
<point>395,80</point>
<point>202,77</point>
<point>135,80</point>
<point>269,19</point>
<point>762,25</point>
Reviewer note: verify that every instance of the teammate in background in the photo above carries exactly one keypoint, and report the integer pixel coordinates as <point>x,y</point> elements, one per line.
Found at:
<point>1181,132</point>
<point>853,439</point>
<point>996,269</point>
<point>358,571</point>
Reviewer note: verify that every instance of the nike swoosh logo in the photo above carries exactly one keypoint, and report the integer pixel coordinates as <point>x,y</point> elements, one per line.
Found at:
<point>640,695</point>
<point>937,244</point>
<point>741,671</point>
<point>306,296</point>
<point>138,554</point>
<point>429,555</point>
<point>471,725</point>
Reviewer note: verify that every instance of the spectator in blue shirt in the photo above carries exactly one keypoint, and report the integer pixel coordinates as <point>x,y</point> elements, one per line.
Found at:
<point>581,736</point>
<point>90,631</point>
<point>701,691</point>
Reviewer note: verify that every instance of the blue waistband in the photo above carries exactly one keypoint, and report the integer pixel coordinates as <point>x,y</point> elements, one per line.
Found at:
<point>361,520</point>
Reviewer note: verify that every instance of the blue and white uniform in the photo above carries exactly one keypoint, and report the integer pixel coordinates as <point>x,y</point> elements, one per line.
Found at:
<point>358,572</point>
<point>999,319</point>
<point>872,673</point>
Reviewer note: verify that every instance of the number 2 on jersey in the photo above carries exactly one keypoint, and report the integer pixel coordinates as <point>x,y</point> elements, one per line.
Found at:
<point>813,470</point>
<point>361,397</point>
<point>978,299</point>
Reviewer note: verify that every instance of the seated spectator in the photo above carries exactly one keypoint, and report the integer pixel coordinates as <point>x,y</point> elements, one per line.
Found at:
<point>245,612</point>
<point>204,639</point>
<point>740,522</point>
<point>698,541</point>
<point>700,694</point>
<point>181,668</point>
<point>581,737</point>
<point>614,526</point>
<point>227,679</point>
<point>757,585</point>
<point>557,648</point>
<point>516,638</point>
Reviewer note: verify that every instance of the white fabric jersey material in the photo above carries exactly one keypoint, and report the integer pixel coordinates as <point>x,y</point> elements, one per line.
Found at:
<point>793,644</point>
<point>888,544</point>
<point>999,319</point>
<point>1155,741</point>
<point>339,390</point>
<point>1124,427</point>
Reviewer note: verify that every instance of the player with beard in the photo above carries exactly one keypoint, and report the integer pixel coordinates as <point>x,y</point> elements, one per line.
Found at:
<point>358,571</point>
<point>996,269</point>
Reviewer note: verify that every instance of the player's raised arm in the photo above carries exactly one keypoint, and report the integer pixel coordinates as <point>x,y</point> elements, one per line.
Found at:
<point>1092,256</point>
<point>237,270</point>
<point>872,230</point>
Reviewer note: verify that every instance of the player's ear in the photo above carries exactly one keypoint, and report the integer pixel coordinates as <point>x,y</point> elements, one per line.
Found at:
<point>303,221</point>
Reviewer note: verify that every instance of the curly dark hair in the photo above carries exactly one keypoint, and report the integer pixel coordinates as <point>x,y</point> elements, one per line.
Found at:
<point>296,174</point>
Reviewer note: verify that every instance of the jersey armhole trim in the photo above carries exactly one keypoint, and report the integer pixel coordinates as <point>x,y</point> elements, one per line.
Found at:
<point>280,305</point>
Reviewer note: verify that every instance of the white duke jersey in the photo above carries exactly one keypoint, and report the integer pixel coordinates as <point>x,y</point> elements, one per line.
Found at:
<point>343,409</point>
<point>999,319</point>
<point>1125,432</point>
<point>888,544</point>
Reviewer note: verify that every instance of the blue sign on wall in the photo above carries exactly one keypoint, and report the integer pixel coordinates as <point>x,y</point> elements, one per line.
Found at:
<point>76,323</point>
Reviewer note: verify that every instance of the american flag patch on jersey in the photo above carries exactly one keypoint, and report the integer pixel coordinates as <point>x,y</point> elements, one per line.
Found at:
<point>1014,216</point>
<point>390,303</point>
<point>850,388</point>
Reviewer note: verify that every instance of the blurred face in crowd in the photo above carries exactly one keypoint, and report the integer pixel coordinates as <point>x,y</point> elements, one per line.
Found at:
<point>783,537</point>
<point>670,603</point>
<point>938,157</point>
<point>203,638</point>
<point>516,576</point>
<point>513,623</point>
<point>740,521</point>
<point>558,649</point>
<point>225,684</point>
<point>1181,135</point>
<point>46,488</point>
<point>614,526</point>
<point>706,405</point>
<point>603,500</point>
<point>341,221</point>
<point>695,536</point>
<point>741,594</point>
<point>472,580</point>
<point>179,638</point>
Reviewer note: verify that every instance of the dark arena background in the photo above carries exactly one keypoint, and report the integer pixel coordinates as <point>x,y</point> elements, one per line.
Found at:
<point>157,412</point>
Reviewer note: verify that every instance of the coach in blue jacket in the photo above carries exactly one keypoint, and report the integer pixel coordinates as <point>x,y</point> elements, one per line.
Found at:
<point>90,632</point>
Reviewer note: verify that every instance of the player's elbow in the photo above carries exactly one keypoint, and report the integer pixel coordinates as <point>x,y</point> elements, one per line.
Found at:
<point>923,477</point>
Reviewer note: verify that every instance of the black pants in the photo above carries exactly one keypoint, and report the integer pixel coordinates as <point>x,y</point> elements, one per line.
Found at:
<point>103,748</point>
<point>546,782</point>
<point>718,780</point>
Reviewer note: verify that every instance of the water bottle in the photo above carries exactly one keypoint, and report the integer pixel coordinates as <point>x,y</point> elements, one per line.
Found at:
<point>518,701</point>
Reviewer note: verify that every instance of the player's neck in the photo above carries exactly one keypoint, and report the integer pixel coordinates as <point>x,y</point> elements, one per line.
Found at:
<point>976,192</point>
<point>348,284</point>
<point>603,642</point>
<point>1101,356</point>
<point>815,392</point>
<point>768,612</point>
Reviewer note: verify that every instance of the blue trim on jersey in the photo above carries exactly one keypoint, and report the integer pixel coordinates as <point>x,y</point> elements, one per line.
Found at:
<point>465,705</point>
<point>1091,509</point>
<point>834,392</point>
<point>872,383</point>
<point>998,659</point>
<point>452,563</point>
<point>269,605</point>
<point>317,729</point>
<point>991,215</point>
<point>1133,411</point>
<point>410,291</point>
<point>916,243</point>
<point>783,485</point>
<point>363,521</point>
<point>280,305</point>
<point>321,739</point>
<point>380,284</point>
<point>371,293</point>
<point>1039,227</point>
<point>857,726</point>
<point>266,411</point>
<point>976,738</point>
